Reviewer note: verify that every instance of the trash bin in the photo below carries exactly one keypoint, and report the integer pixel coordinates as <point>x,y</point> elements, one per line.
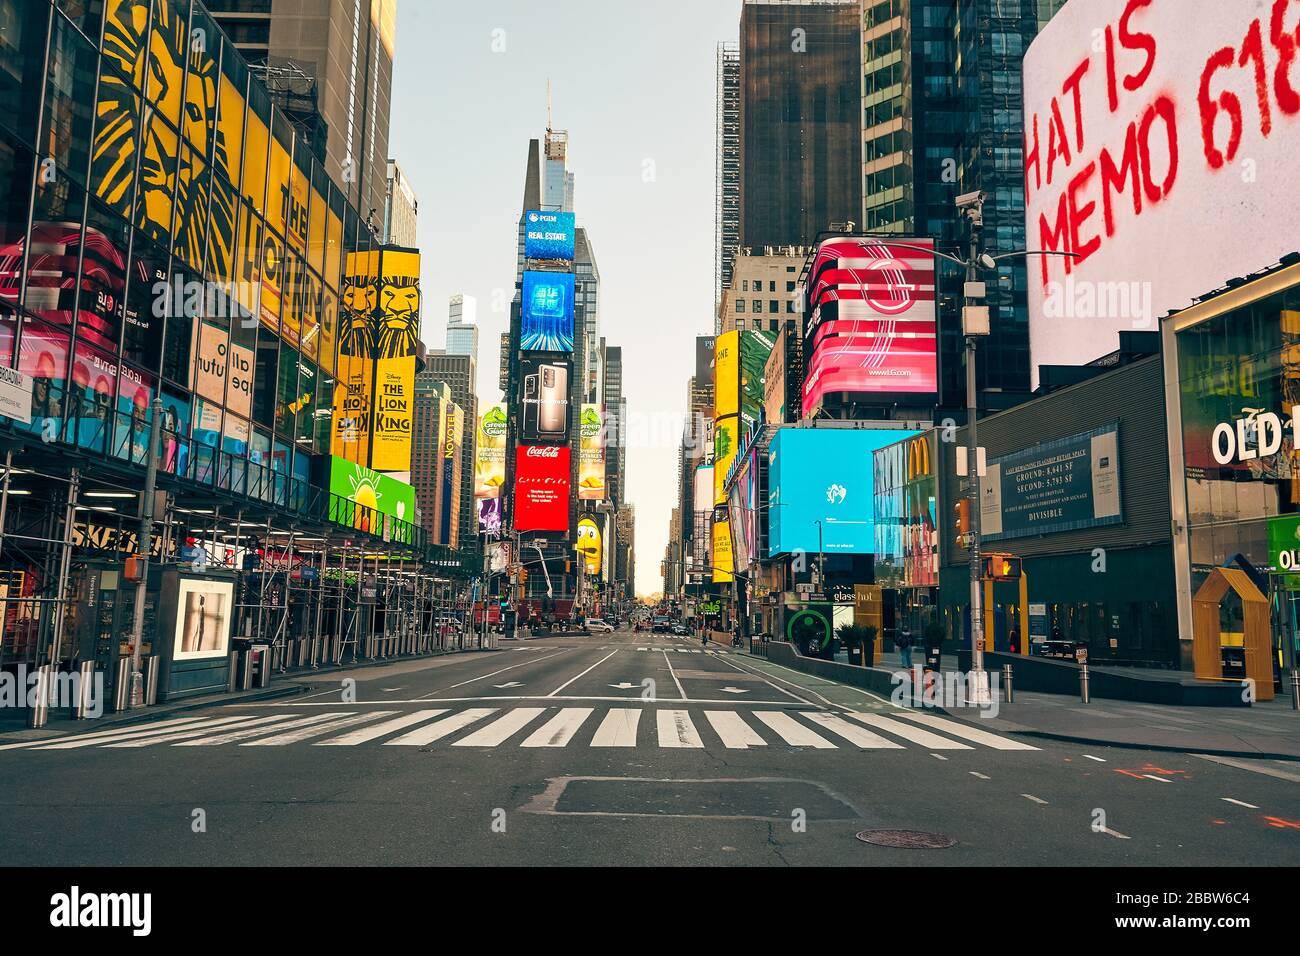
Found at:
<point>261,663</point>
<point>933,657</point>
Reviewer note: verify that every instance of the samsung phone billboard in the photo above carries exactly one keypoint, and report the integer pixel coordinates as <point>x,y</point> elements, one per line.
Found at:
<point>546,318</point>
<point>824,475</point>
<point>548,235</point>
<point>1160,150</point>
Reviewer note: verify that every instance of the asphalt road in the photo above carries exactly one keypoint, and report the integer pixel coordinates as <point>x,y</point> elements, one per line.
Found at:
<point>623,749</point>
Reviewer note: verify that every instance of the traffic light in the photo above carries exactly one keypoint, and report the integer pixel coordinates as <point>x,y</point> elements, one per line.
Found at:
<point>523,575</point>
<point>1002,567</point>
<point>961,511</point>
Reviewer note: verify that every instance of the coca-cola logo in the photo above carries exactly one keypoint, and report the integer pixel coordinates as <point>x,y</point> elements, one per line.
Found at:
<point>536,451</point>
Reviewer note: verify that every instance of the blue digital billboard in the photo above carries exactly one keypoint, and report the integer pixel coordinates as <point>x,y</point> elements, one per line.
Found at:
<point>549,235</point>
<point>547,312</point>
<point>824,475</point>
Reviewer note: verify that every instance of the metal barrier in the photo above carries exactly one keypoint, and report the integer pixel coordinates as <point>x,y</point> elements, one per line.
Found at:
<point>1085,693</point>
<point>81,706</point>
<point>1008,688</point>
<point>152,673</point>
<point>122,686</point>
<point>38,715</point>
<point>233,677</point>
<point>246,670</point>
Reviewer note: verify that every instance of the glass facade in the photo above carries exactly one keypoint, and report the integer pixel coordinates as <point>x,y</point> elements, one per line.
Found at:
<point>163,235</point>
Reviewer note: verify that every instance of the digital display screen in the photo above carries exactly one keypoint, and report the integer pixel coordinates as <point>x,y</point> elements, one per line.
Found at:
<point>547,312</point>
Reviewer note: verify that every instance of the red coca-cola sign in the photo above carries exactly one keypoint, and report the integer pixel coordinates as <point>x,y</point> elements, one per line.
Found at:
<point>542,488</point>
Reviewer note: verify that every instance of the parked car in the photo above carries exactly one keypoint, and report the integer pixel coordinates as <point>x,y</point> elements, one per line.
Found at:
<point>681,630</point>
<point>596,626</point>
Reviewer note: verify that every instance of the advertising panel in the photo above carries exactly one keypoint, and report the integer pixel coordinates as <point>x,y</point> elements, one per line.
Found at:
<point>387,496</point>
<point>547,312</point>
<point>203,619</point>
<point>726,442</point>
<point>395,334</point>
<point>774,384</point>
<point>490,516</point>
<point>549,235</point>
<point>1061,485</point>
<point>755,349</point>
<point>828,476</point>
<point>872,325</point>
<point>490,452</point>
<point>1141,155</point>
<point>591,457</point>
<point>703,489</point>
<point>591,543</point>
<point>544,418</point>
<point>723,567</point>
<point>726,374</point>
<point>542,488</point>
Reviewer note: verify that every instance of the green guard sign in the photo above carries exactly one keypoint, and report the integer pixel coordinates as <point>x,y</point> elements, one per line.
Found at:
<point>1284,549</point>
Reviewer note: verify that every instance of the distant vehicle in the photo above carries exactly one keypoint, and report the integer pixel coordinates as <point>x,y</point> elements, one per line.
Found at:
<point>596,626</point>
<point>660,625</point>
<point>681,630</point>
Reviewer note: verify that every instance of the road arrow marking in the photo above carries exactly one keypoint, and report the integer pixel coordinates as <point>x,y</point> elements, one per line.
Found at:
<point>734,690</point>
<point>513,683</point>
<point>623,686</point>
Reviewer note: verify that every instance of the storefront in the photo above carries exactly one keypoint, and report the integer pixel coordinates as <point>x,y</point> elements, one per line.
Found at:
<point>1233,371</point>
<point>906,515</point>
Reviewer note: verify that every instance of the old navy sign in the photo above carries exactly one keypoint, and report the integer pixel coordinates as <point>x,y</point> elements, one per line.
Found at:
<point>1256,436</point>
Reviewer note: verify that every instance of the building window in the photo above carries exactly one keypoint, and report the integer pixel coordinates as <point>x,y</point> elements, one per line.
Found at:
<point>773,306</point>
<point>740,305</point>
<point>758,306</point>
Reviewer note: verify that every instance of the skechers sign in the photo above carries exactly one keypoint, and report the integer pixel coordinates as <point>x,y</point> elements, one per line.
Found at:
<point>1257,436</point>
<point>549,235</point>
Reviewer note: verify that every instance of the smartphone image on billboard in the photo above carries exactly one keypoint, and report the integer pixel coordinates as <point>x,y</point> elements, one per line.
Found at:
<point>552,400</point>
<point>530,405</point>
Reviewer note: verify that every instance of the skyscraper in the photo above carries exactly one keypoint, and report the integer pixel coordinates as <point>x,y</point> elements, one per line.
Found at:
<point>333,59</point>
<point>462,326</point>
<point>401,209</point>
<point>800,119</point>
<point>439,462</point>
<point>458,372</point>
<point>727,137</point>
<point>942,107</point>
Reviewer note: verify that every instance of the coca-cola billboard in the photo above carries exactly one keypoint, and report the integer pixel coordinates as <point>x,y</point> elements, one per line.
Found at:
<point>542,488</point>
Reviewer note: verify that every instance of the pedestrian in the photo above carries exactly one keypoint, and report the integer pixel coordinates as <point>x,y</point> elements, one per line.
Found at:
<point>903,641</point>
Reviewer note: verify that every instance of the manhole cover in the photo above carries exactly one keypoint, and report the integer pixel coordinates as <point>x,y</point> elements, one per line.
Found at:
<point>907,839</point>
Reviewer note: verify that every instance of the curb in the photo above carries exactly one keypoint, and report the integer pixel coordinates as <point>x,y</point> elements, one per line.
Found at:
<point>1160,748</point>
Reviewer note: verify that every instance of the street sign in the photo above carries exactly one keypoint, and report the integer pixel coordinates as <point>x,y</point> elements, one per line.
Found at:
<point>804,588</point>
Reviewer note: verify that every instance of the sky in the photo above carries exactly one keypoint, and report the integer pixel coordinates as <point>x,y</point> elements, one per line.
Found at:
<point>634,85</point>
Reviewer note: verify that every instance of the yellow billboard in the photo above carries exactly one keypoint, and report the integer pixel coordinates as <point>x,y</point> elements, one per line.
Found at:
<point>722,566</point>
<point>591,454</point>
<point>490,452</point>
<point>390,435</point>
<point>726,374</point>
<point>726,437</point>
<point>395,334</point>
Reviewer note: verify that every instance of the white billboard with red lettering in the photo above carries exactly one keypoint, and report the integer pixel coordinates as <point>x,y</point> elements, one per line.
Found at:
<point>1160,147</point>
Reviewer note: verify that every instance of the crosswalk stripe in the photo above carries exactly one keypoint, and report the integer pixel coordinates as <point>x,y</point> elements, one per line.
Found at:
<point>735,733</point>
<point>440,728</point>
<point>237,735</point>
<point>121,733</point>
<point>855,735</point>
<point>676,729</point>
<point>305,733</point>
<point>793,732</point>
<point>375,731</point>
<point>618,729</point>
<point>497,732</point>
<point>189,733</point>
<point>915,734</point>
<point>559,730</point>
<point>966,732</point>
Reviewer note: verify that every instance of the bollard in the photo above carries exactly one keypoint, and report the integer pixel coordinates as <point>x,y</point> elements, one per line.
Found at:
<point>39,713</point>
<point>246,670</point>
<point>264,667</point>
<point>152,672</point>
<point>1084,691</point>
<point>122,686</point>
<point>1008,689</point>
<point>233,677</point>
<point>1295,689</point>
<point>85,684</point>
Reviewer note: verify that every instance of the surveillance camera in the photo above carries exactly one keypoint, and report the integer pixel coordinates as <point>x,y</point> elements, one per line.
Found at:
<point>967,200</point>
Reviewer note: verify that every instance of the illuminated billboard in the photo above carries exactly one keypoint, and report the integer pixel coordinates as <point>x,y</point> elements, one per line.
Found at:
<point>591,543</point>
<point>544,417</point>
<point>542,482</point>
<point>378,495</point>
<point>726,374</point>
<point>755,349</point>
<point>824,475</point>
<point>726,443</point>
<point>871,326</point>
<point>395,334</point>
<point>723,567</point>
<point>490,452</point>
<point>591,456</point>
<point>546,318</point>
<point>1160,150</point>
<point>549,235</point>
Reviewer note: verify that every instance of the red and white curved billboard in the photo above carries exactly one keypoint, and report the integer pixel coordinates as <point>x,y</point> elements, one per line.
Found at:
<point>872,328</point>
<point>1160,142</point>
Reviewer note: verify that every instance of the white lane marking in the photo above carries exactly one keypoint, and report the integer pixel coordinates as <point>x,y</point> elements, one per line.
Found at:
<point>1254,768</point>
<point>938,756</point>
<point>1030,796</point>
<point>189,733</point>
<point>780,690</point>
<point>122,733</point>
<point>976,773</point>
<point>676,729</point>
<point>500,698</point>
<point>559,730</point>
<point>854,734</point>
<point>1151,776</point>
<point>304,733</point>
<point>1091,757</point>
<point>735,733</point>
<point>497,732</point>
<point>618,729</point>
<point>1114,833</point>
<point>681,692</point>
<point>587,671</point>
<point>793,732</point>
<point>535,660</point>
<point>915,734</point>
<point>966,732</point>
<point>245,734</point>
<point>374,732</point>
<point>1240,803</point>
<point>441,728</point>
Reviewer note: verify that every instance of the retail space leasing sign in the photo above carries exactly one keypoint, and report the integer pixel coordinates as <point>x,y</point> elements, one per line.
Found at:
<point>15,395</point>
<point>1060,485</point>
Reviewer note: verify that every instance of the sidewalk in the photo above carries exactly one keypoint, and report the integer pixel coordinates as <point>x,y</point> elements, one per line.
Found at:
<point>1269,729</point>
